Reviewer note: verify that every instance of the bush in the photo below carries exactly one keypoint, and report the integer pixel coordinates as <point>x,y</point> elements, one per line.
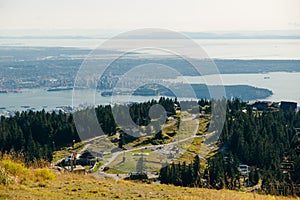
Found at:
<point>5,179</point>
<point>13,168</point>
<point>44,174</point>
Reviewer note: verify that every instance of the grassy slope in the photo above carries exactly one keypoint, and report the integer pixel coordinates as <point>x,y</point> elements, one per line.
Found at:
<point>192,146</point>
<point>30,183</point>
<point>70,186</point>
<point>86,187</point>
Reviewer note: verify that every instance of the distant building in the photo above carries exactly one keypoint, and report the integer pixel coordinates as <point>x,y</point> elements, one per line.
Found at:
<point>264,105</point>
<point>286,105</point>
<point>261,105</point>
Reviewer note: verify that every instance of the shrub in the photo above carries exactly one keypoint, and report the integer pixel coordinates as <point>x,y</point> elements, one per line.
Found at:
<point>5,179</point>
<point>44,174</point>
<point>13,168</point>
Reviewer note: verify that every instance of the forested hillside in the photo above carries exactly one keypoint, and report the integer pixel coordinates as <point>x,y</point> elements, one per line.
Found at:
<point>38,134</point>
<point>265,141</point>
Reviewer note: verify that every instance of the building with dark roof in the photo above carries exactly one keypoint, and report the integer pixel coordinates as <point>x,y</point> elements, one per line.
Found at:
<point>286,105</point>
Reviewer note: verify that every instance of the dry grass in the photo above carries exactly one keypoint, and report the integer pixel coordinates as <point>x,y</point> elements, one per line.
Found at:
<point>71,186</point>
<point>14,172</point>
<point>30,183</point>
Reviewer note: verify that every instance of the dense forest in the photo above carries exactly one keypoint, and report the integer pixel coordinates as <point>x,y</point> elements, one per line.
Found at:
<point>265,141</point>
<point>38,134</point>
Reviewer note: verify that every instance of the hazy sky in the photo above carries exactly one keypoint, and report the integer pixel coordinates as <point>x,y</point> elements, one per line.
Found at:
<point>180,15</point>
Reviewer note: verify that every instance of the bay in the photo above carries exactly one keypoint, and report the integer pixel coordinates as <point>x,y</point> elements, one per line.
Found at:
<point>284,86</point>
<point>215,48</point>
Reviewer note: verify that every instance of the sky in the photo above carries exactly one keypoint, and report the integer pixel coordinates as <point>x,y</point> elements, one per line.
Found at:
<point>123,15</point>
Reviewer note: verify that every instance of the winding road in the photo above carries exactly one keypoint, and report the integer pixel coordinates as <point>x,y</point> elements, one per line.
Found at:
<point>100,173</point>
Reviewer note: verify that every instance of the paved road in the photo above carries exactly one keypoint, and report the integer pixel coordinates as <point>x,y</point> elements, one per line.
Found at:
<point>100,173</point>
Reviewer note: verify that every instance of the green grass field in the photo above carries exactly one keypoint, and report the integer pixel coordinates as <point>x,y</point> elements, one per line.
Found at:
<point>152,162</point>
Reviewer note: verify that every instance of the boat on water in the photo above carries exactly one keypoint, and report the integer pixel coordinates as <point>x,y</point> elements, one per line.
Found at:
<point>59,89</point>
<point>106,93</point>
<point>10,90</point>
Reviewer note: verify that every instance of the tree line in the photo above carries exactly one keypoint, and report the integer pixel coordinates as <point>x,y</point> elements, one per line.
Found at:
<point>37,134</point>
<point>262,140</point>
<point>182,174</point>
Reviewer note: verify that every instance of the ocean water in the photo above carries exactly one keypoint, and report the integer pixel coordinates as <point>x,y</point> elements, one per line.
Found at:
<point>284,85</point>
<point>215,48</point>
<point>37,99</point>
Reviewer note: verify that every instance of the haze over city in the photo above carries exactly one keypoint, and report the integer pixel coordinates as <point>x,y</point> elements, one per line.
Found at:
<point>67,17</point>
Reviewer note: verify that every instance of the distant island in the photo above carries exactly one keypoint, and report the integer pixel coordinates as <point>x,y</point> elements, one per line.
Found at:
<point>245,92</point>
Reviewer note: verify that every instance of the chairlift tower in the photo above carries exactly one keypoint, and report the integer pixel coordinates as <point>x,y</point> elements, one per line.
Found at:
<point>244,172</point>
<point>287,165</point>
<point>286,168</point>
<point>124,158</point>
